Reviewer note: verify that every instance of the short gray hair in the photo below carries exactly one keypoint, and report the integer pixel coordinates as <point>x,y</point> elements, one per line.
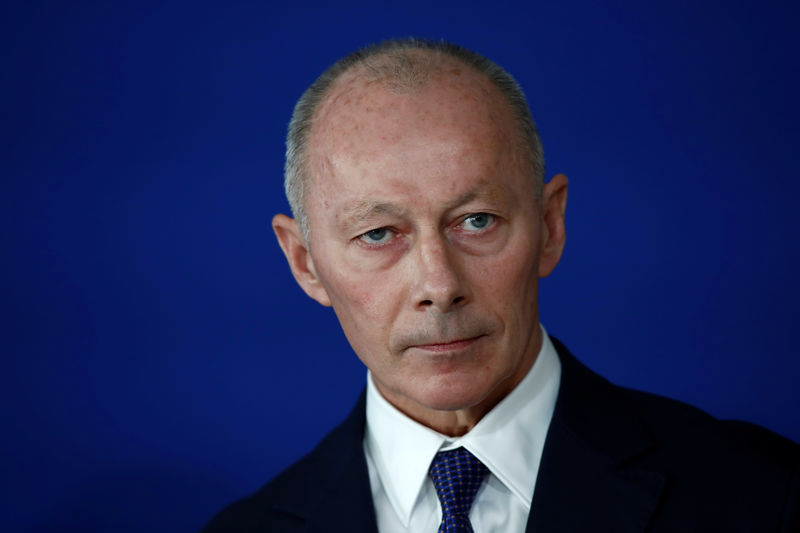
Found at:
<point>402,70</point>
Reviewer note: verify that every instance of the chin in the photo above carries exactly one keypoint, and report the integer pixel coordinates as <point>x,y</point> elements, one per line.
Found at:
<point>452,395</point>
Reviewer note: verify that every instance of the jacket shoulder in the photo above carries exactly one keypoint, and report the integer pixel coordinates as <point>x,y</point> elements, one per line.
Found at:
<point>725,464</point>
<point>293,497</point>
<point>715,472</point>
<point>676,428</point>
<point>258,511</point>
<point>684,427</point>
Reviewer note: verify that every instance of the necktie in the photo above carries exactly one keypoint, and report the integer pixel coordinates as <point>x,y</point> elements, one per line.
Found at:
<point>456,475</point>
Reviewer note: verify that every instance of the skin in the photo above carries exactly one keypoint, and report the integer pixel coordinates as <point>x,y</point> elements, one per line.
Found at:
<point>427,241</point>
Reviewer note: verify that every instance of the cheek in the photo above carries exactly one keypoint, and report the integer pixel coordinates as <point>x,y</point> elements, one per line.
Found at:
<point>367,314</point>
<point>365,305</point>
<point>509,280</point>
<point>353,298</point>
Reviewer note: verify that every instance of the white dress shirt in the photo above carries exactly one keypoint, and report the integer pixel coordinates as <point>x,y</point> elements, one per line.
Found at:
<point>509,440</point>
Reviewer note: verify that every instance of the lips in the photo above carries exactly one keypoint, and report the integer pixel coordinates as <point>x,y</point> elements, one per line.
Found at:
<point>448,346</point>
<point>442,333</point>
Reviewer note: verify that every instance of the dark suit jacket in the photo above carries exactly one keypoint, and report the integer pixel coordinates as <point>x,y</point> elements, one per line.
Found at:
<point>614,460</point>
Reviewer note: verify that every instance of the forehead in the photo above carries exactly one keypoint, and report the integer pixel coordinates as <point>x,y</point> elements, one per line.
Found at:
<point>361,110</point>
<point>368,139</point>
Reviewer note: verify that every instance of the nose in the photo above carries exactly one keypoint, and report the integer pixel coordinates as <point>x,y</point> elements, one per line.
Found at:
<point>439,283</point>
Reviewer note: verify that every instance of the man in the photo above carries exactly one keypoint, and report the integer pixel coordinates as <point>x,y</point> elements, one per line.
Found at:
<point>416,177</point>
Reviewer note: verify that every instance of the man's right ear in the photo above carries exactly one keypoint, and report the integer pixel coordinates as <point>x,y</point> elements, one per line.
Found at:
<point>296,251</point>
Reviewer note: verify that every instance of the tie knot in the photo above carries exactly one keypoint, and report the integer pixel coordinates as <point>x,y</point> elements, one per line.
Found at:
<point>456,475</point>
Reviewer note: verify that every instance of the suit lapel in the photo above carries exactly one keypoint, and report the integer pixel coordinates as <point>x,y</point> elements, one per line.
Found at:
<point>585,481</point>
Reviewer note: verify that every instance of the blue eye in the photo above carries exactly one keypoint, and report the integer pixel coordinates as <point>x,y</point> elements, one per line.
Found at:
<point>478,221</point>
<point>377,236</point>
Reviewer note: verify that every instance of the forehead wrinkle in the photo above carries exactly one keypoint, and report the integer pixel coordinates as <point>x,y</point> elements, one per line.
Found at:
<point>366,210</point>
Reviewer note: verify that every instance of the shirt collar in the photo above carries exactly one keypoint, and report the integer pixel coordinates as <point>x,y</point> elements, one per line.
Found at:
<point>509,439</point>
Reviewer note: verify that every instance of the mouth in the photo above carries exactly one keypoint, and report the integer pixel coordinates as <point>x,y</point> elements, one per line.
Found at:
<point>449,346</point>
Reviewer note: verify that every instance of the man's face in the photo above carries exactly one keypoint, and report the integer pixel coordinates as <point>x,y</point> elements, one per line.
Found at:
<point>427,240</point>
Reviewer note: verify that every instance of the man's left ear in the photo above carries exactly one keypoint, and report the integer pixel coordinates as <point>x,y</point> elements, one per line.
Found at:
<point>554,235</point>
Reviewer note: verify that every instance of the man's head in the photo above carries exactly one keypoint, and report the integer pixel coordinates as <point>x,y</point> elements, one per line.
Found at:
<point>425,232</point>
<point>403,65</point>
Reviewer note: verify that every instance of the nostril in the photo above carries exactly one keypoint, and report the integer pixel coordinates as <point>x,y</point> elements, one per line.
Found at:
<point>458,300</point>
<point>426,302</point>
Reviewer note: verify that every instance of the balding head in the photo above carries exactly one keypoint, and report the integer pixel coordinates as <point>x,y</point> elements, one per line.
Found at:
<point>401,66</point>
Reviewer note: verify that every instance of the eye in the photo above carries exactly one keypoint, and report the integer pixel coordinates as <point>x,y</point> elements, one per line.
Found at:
<point>477,222</point>
<point>376,237</point>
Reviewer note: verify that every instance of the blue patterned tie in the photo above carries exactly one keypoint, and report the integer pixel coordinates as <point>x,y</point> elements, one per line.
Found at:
<point>456,475</point>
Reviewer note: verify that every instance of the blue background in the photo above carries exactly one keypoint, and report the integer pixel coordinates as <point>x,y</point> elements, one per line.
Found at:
<point>158,360</point>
